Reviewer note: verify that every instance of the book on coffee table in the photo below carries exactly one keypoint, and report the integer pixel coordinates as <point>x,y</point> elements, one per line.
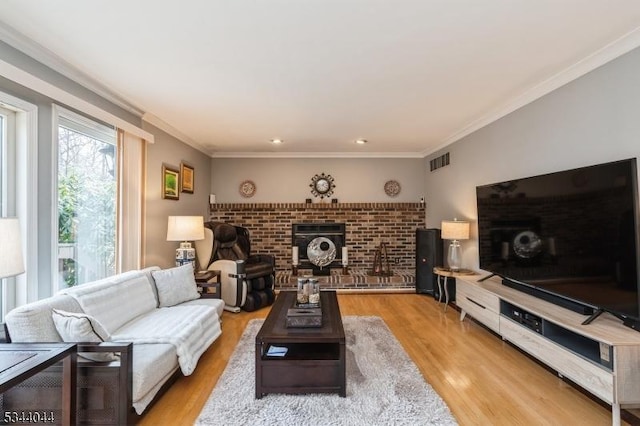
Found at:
<point>277,351</point>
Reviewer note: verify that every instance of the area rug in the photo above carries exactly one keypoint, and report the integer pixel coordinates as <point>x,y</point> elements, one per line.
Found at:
<point>384,387</point>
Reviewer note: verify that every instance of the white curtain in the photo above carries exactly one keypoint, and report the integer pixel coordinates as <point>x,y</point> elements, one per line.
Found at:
<point>131,187</point>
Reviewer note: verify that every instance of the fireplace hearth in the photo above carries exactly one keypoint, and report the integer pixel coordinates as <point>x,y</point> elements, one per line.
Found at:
<point>302,234</point>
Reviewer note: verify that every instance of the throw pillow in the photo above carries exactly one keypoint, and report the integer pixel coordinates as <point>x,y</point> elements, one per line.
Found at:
<point>78,327</point>
<point>175,285</point>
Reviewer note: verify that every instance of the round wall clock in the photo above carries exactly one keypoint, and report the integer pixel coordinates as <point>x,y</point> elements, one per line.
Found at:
<point>322,185</point>
<point>247,189</point>
<point>392,188</point>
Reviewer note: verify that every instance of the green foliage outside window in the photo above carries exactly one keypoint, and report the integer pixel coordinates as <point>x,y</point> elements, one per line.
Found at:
<point>86,209</point>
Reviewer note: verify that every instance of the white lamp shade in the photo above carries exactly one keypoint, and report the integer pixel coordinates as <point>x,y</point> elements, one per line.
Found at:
<point>185,228</point>
<point>11,260</point>
<point>455,230</point>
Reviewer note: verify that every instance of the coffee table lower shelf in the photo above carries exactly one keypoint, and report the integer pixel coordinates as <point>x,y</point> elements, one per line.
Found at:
<point>298,376</point>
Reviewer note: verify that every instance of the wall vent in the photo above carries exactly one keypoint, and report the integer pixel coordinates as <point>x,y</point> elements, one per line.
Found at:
<point>439,162</point>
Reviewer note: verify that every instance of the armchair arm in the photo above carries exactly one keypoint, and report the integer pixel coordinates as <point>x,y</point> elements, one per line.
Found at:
<point>262,258</point>
<point>233,282</point>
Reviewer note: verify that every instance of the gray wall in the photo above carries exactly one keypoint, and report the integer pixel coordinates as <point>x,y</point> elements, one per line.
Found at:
<point>167,149</point>
<point>594,119</point>
<point>288,179</point>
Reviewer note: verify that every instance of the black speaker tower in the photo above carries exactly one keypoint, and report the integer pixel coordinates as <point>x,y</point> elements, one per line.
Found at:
<point>428,255</point>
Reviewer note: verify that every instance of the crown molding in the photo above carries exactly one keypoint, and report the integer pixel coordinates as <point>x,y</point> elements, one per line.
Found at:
<point>169,129</point>
<point>609,52</point>
<point>317,155</point>
<point>46,57</point>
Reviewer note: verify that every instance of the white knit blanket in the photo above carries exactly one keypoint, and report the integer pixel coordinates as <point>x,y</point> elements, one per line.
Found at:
<point>191,329</point>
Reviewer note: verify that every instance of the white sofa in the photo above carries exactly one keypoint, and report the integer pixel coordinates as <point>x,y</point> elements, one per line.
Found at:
<point>159,311</point>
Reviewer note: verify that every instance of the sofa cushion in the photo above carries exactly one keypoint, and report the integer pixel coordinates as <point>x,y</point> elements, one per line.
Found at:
<point>217,304</point>
<point>33,322</point>
<point>175,285</point>
<point>191,329</point>
<point>79,327</point>
<point>117,301</point>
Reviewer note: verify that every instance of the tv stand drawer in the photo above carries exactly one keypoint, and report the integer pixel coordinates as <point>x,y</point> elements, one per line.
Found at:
<point>480,304</point>
<point>479,295</point>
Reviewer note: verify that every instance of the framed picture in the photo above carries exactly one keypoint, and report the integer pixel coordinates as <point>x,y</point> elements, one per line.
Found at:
<point>187,178</point>
<point>170,183</point>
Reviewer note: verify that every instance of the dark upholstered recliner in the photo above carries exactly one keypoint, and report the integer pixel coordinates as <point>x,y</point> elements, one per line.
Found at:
<point>247,280</point>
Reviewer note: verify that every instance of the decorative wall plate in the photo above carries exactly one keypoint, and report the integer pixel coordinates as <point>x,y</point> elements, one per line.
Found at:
<point>247,189</point>
<point>322,185</point>
<point>392,188</point>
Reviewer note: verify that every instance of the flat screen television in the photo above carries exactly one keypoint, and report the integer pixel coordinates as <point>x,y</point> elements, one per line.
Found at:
<point>569,237</point>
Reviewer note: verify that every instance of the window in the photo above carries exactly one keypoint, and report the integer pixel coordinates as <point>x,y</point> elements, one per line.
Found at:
<point>86,200</point>
<point>3,164</point>
<point>7,191</point>
<point>7,161</point>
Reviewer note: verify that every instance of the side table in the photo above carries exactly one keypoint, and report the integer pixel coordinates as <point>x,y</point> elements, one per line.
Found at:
<point>20,361</point>
<point>445,274</point>
<point>208,283</point>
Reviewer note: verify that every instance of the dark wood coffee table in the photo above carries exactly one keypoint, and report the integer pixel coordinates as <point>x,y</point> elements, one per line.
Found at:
<point>315,358</point>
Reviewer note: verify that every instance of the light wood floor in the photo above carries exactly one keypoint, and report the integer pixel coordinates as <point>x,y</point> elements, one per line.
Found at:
<point>483,379</point>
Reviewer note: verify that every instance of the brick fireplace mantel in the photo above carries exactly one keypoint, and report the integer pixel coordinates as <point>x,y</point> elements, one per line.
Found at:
<point>367,225</point>
<point>316,206</point>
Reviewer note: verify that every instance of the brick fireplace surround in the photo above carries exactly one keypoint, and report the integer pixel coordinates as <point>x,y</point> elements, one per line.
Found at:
<point>367,225</point>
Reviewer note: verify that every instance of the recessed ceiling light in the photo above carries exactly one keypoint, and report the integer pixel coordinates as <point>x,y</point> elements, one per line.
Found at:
<point>276,141</point>
<point>361,141</point>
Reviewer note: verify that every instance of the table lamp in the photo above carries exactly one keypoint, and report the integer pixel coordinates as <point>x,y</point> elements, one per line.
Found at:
<point>185,229</point>
<point>455,230</point>
<point>11,261</point>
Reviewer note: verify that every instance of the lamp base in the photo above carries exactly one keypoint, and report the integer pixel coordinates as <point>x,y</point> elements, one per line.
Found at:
<point>454,258</point>
<point>185,254</point>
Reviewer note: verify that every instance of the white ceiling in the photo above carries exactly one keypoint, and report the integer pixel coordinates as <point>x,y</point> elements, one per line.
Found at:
<point>407,75</point>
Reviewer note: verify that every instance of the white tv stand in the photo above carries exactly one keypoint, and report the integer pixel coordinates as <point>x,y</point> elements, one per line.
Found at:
<point>602,357</point>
